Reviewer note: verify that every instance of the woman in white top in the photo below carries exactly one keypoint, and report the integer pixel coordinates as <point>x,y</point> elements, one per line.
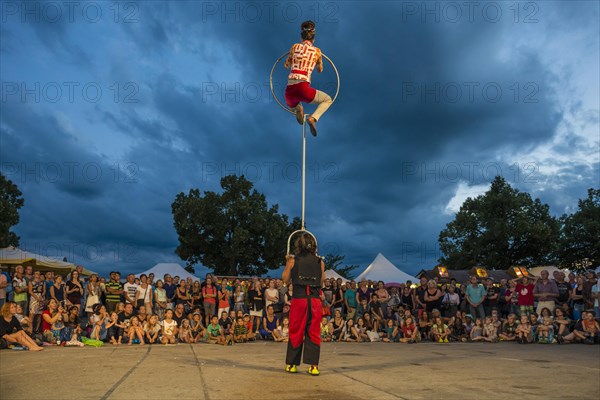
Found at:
<point>144,292</point>
<point>161,299</point>
<point>271,294</point>
<point>239,298</point>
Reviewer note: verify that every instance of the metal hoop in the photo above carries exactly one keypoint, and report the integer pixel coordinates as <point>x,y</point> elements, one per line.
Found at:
<point>273,90</point>
<point>304,231</point>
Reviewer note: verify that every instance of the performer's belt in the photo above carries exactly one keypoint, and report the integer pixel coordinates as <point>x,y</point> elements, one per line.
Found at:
<point>298,71</point>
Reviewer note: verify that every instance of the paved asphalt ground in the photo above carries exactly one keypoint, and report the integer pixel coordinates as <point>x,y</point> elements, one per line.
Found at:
<point>348,371</point>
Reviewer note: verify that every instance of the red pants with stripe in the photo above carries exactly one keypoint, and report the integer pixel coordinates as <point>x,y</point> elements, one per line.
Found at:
<point>305,331</point>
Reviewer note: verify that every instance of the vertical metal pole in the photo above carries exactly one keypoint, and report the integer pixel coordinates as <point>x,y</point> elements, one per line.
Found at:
<point>303,167</point>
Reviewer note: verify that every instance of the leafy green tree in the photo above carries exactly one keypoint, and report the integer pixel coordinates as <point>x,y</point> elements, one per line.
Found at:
<point>233,233</point>
<point>500,228</point>
<point>579,246</point>
<point>10,201</point>
<point>334,261</point>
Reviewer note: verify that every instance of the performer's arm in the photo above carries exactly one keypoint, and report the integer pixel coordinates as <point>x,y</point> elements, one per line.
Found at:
<point>322,273</point>
<point>288,62</point>
<point>319,63</point>
<point>289,264</point>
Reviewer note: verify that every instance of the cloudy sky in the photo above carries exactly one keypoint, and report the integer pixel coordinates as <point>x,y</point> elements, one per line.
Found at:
<point>108,110</point>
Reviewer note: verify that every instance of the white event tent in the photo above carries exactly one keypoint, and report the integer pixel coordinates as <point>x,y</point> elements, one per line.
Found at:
<point>173,269</point>
<point>381,269</point>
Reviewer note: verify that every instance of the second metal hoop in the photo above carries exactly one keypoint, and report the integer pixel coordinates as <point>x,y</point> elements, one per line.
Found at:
<point>273,90</point>
<point>298,231</point>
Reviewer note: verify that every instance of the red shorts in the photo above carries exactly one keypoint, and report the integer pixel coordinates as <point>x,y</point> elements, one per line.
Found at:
<point>299,92</point>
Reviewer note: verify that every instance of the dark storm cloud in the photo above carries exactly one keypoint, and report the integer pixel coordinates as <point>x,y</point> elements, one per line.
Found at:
<point>381,167</point>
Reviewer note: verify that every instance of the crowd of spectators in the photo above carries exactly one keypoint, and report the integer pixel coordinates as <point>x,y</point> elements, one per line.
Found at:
<point>43,309</point>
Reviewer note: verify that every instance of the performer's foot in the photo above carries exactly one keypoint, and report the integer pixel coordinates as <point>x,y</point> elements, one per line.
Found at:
<point>312,123</point>
<point>291,368</point>
<point>313,370</point>
<point>300,113</point>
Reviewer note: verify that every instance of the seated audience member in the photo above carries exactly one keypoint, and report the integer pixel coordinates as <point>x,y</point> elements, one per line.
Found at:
<point>410,332</point>
<point>269,324</point>
<point>51,318</point>
<point>98,321</point>
<point>425,326</point>
<point>185,334</point>
<point>391,332</point>
<point>363,308</point>
<point>179,313</point>
<point>11,330</point>
<point>23,320</point>
<point>561,324</point>
<point>198,330</point>
<point>469,324</point>
<point>248,322</point>
<point>533,321</point>
<point>545,329</point>
<point>136,332</point>
<point>578,334</point>
<point>72,331</point>
<point>115,329</point>
<point>591,328</point>
<point>226,323</point>
<point>240,331</point>
<point>361,329</point>
<point>509,329</point>
<point>477,331</point>
<point>440,330</point>
<point>349,332</point>
<point>523,330</point>
<point>325,336</point>
<point>282,333</point>
<point>458,332</point>
<point>152,330</point>
<point>337,326</point>
<point>377,313</point>
<point>496,321</point>
<point>490,333</point>
<point>169,328</point>
<point>215,334</point>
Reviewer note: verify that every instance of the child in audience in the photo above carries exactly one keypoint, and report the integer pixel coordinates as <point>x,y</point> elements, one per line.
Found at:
<point>361,329</point>
<point>350,334</point>
<point>391,332</point>
<point>561,324</point>
<point>468,324</point>
<point>240,331</point>
<point>440,331</point>
<point>198,330</point>
<point>114,329</point>
<point>477,331</point>
<point>325,336</point>
<point>169,331</point>
<point>458,331</point>
<point>410,332</point>
<point>283,331</point>
<point>523,330</point>
<point>425,326</point>
<point>490,334</point>
<point>185,332</point>
<point>136,332</point>
<point>545,327</point>
<point>152,330</point>
<point>251,335</point>
<point>215,333</point>
<point>533,321</point>
<point>591,328</point>
<point>509,330</point>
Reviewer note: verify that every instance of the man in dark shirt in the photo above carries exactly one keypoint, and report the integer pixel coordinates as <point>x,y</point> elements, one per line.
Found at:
<point>491,297</point>
<point>179,314</point>
<point>564,289</point>
<point>114,290</point>
<point>170,288</point>
<point>124,318</point>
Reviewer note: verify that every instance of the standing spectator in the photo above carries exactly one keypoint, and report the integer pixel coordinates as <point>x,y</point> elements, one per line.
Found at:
<point>20,287</point>
<point>525,299</point>
<point>338,297</point>
<point>114,290</point>
<point>407,298</point>
<point>502,307</point>
<point>475,294</point>
<point>511,296</point>
<point>143,294</point>
<point>596,298</point>
<point>377,313</point>
<point>3,285</point>
<point>129,290</point>
<point>363,292</point>
<point>419,296</point>
<point>183,296</point>
<point>350,300</point>
<point>492,295</point>
<point>239,298</point>
<point>170,288</point>
<point>196,294</point>
<point>450,302</point>
<point>161,300</point>
<point>384,298</point>
<point>327,298</point>
<point>75,290</point>
<point>224,305</point>
<point>577,298</point>
<point>271,294</point>
<point>564,289</point>
<point>37,290</point>
<point>209,293</point>
<point>93,294</point>
<point>255,295</point>
<point>546,292</point>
